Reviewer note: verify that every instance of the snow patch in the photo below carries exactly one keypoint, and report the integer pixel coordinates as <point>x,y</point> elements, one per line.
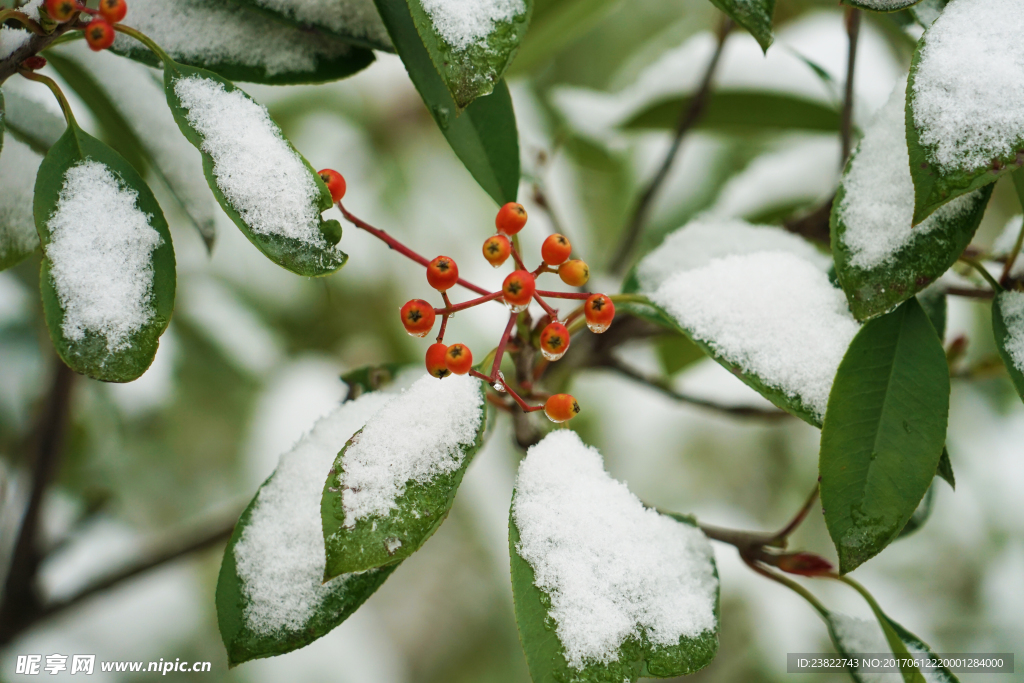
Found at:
<point>1012,306</point>
<point>356,18</point>
<point>464,23</point>
<point>18,166</point>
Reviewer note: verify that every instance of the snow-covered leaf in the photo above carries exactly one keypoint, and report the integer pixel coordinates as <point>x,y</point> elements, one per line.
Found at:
<point>854,637</point>
<point>881,5</point>
<point>742,112</point>
<point>772,318</point>
<point>965,101</point>
<point>926,12</point>
<point>107,279</point>
<point>605,589</point>
<point>753,15</point>
<point>355,21</point>
<point>238,43</point>
<point>18,237</point>
<point>1008,327</point>
<point>31,122</point>
<point>271,598</point>
<point>394,482</point>
<point>881,258</point>
<point>484,135</point>
<point>267,188</point>
<point>884,432</point>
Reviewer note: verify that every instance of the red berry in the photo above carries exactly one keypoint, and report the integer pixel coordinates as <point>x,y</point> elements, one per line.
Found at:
<point>334,181</point>
<point>418,317</point>
<point>555,250</point>
<point>511,218</point>
<point>436,360</point>
<point>806,564</point>
<point>599,311</point>
<point>458,359</point>
<point>442,273</point>
<point>518,289</point>
<point>34,62</point>
<point>561,407</point>
<point>574,273</point>
<point>554,341</point>
<point>497,249</point>
<point>99,34</point>
<point>113,10</point>
<point>61,10</point>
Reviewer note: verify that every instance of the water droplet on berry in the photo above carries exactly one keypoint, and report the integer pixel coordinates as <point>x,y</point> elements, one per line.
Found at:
<point>419,334</point>
<point>553,356</point>
<point>519,309</point>
<point>598,328</point>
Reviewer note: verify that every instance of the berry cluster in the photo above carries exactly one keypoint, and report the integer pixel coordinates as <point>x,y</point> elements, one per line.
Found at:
<point>99,32</point>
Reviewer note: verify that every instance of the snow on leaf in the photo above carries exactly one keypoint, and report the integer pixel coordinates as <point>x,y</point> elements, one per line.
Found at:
<point>18,238</point>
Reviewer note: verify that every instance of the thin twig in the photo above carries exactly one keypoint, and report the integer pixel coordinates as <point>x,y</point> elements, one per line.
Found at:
<point>34,45</point>
<point>687,119</point>
<point>800,516</point>
<point>852,32</point>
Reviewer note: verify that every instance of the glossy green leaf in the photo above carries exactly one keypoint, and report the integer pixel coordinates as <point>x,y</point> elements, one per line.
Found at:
<point>637,657</point>
<point>554,25</point>
<point>31,122</point>
<point>350,20</point>
<point>376,540</point>
<point>933,301</point>
<point>887,6</point>
<point>883,433</point>
<point>239,43</point>
<point>90,355</point>
<point>921,514</point>
<point>18,236</point>
<point>1008,328</point>
<point>743,112</point>
<point>753,15</point>
<point>293,254</point>
<point>484,135</point>
<point>945,469</point>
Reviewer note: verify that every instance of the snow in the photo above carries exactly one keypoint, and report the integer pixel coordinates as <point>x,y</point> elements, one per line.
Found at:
<point>356,18</point>
<point>13,38</point>
<point>1012,306</point>
<point>706,238</point>
<point>464,23</point>
<point>100,256</point>
<point>773,314</point>
<point>18,166</point>
<point>280,553</point>
<point>878,205</point>
<point>257,171</point>
<point>865,637</point>
<point>885,5</point>
<point>420,436</point>
<point>968,95</point>
<point>211,32</point>
<point>613,569</point>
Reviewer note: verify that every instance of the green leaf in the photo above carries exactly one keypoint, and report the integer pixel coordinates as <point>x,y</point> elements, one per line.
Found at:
<point>933,301</point>
<point>927,11</point>
<point>884,431</point>
<point>554,25</point>
<point>350,20</point>
<point>921,514</point>
<point>239,43</point>
<point>299,256</point>
<point>545,654</point>
<point>1008,328</point>
<point>89,354</point>
<point>369,378</point>
<point>857,637</point>
<point>753,15</point>
<point>31,122</point>
<point>676,352</point>
<point>887,6</point>
<point>945,469</point>
<point>484,135</point>
<point>743,112</point>
<point>377,540</point>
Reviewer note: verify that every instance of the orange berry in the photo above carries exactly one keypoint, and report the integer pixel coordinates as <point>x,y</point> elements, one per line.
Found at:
<point>436,354</point>
<point>497,249</point>
<point>561,408</point>
<point>99,34</point>
<point>418,317</point>
<point>113,10</point>
<point>555,250</point>
<point>334,181</point>
<point>458,359</point>
<point>554,341</point>
<point>442,273</point>
<point>518,289</point>
<point>599,311</point>
<point>574,273</point>
<point>511,218</point>
<point>61,10</point>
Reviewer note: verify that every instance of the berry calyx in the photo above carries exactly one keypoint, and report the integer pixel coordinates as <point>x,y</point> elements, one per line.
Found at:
<point>511,218</point>
<point>555,250</point>
<point>554,341</point>
<point>99,34</point>
<point>61,10</point>
<point>442,273</point>
<point>458,359</point>
<point>436,355</point>
<point>497,249</point>
<point>113,10</point>
<point>561,408</point>
<point>599,311</point>
<point>418,317</point>
<point>334,181</point>
<point>574,273</point>
<point>518,289</point>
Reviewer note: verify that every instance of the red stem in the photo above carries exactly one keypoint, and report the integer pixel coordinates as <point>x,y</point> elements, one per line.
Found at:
<point>399,247</point>
<point>527,408</point>
<point>468,304</point>
<point>564,295</point>
<point>547,309</point>
<point>519,261</point>
<point>501,346</point>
